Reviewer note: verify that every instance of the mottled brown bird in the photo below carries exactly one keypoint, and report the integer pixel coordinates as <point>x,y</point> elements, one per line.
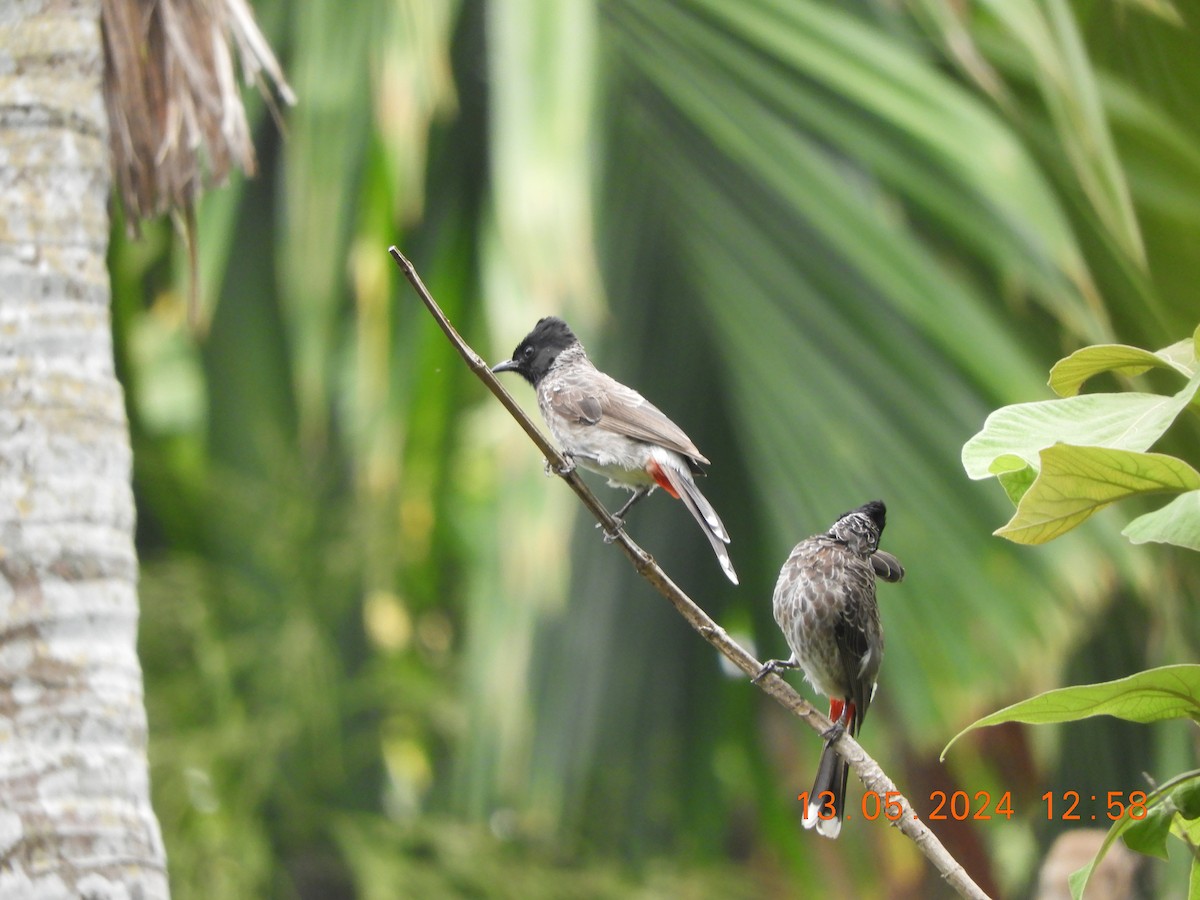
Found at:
<point>825,604</point>
<point>612,429</point>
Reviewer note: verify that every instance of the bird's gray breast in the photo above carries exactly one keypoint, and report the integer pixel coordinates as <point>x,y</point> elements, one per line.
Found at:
<point>576,422</point>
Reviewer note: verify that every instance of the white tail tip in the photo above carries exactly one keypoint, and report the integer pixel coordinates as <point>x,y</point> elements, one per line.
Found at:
<point>829,828</point>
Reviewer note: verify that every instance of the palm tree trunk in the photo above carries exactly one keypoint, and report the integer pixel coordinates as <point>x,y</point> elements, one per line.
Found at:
<point>75,818</point>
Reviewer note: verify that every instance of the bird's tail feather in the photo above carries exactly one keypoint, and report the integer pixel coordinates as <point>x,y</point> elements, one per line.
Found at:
<point>680,484</point>
<point>830,782</point>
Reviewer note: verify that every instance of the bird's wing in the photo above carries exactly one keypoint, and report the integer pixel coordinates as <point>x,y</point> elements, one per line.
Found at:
<point>887,566</point>
<point>597,399</point>
<point>855,631</point>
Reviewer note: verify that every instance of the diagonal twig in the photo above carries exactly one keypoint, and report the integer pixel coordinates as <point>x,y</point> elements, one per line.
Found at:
<point>872,776</point>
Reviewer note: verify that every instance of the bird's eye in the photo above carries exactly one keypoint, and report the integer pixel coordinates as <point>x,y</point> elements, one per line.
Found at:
<point>528,354</point>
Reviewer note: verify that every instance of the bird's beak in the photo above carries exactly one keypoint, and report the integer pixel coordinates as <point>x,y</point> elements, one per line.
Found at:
<point>509,365</point>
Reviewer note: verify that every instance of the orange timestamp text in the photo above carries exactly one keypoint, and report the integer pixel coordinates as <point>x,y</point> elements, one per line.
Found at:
<point>961,806</point>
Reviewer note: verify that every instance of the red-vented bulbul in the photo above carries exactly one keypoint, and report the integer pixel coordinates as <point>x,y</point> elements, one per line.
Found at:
<point>612,429</point>
<point>825,604</point>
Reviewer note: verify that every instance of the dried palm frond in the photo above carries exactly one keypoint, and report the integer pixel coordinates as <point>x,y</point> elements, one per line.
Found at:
<point>177,124</point>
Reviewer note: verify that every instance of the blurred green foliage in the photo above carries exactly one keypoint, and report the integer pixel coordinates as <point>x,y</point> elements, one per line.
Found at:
<point>827,238</point>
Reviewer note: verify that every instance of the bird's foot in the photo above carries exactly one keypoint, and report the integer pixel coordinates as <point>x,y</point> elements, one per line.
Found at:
<point>833,733</point>
<point>772,665</point>
<point>567,467</point>
<point>618,527</point>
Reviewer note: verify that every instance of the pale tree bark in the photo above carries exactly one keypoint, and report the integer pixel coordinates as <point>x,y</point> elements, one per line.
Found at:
<point>75,815</point>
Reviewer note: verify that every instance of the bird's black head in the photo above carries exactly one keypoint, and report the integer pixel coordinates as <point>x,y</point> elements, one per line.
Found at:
<point>860,528</point>
<point>536,353</point>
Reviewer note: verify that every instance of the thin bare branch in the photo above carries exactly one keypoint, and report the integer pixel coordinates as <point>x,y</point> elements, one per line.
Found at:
<point>872,776</point>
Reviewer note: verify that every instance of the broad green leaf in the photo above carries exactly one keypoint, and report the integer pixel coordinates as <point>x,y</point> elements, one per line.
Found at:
<point>1161,798</point>
<point>1017,482</point>
<point>1007,465</point>
<point>1075,482</point>
<point>1069,374</point>
<point>1132,421</point>
<point>1182,355</point>
<point>1186,798</point>
<point>1169,692</point>
<point>1149,835</point>
<point>1185,828</point>
<point>1176,523</point>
